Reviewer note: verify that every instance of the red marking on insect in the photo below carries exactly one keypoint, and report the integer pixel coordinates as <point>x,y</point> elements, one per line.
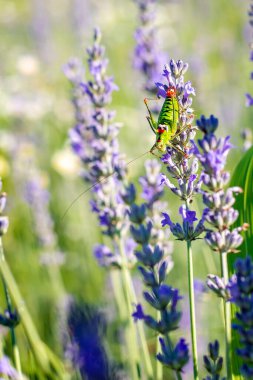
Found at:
<point>171,92</point>
<point>160,130</point>
<point>159,140</point>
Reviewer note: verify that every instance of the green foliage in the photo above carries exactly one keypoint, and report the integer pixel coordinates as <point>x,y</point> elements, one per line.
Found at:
<point>242,177</point>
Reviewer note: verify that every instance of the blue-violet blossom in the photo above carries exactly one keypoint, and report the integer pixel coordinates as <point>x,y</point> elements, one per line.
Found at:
<point>241,294</point>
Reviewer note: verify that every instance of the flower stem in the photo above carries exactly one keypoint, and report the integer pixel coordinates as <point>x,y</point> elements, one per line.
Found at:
<point>45,358</point>
<point>131,299</point>
<point>227,315</point>
<point>192,311</point>
<point>131,335</point>
<point>159,366</point>
<point>124,315</point>
<point>12,331</point>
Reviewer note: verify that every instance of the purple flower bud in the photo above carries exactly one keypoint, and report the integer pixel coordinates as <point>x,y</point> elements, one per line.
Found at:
<point>74,70</point>
<point>137,214</point>
<point>149,277</point>
<point>138,314</point>
<point>3,199</point>
<point>105,257</point>
<point>217,285</point>
<point>206,125</point>
<point>249,100</point>
<point>161,297</point>
<point>4,224</point>
<point>176,358</point>
<point>141,234</point>
<point>149,256</point>
<point>129,194</point>
<point>174,68</point>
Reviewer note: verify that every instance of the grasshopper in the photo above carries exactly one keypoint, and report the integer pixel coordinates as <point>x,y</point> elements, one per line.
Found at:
<point>166,127</point>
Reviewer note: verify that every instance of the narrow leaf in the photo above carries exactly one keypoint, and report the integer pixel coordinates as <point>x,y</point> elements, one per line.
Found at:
<point>242,177</point>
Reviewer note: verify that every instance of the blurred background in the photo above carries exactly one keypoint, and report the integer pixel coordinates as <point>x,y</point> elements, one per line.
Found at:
<point>37,38</point>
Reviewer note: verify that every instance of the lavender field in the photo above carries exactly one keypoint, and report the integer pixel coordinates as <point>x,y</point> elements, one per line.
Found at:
<point>126,203</point>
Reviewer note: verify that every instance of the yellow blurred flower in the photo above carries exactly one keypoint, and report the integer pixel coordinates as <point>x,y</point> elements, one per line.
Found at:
<point>4,167</point>
<point>66,163</point>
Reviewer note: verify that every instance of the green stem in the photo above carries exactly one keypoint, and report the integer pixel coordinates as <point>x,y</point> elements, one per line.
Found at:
<point>12,329</point>
<point>118,294</point>
<point>56,281</point>
<point>124,315</point>
<point>159,366</point>
<point>132,299</point>
<point>227,315</point>
<point>42,353</point>
<point>131,336</point>
<point>192,311</point>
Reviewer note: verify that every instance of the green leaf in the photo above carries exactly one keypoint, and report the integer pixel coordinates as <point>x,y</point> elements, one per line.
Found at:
<point>242,177</point>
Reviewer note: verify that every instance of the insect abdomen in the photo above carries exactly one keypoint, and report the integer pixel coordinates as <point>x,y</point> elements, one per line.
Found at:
<point>169,113</point>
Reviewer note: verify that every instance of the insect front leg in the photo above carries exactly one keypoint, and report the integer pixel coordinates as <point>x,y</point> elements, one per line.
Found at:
<point>150,118</point>
<point>151,125</point>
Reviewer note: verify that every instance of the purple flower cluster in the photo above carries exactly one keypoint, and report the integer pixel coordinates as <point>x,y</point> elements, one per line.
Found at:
<point>219,213</point>
<point>152,191</point>
<point>165,299</point>
<point>6,369</point>
<point>217,285</point>
<point>94,137</point>
<point>186,231</point>
<point>79,135</point>
<point>94,141</point>
<point>87,328</point>
<point>249,98</point>
<point>241,292</point>
<point>147,216</point>
<point>147,57</point>
<point>154,264</point>
<point>176,357</point>
<point>213,362</point>
<point>37,196</point>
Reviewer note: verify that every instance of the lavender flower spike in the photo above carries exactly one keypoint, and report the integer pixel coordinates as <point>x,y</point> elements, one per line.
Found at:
<point>241,292</point>
<point>147,57</point>
<point>152,255</point>
<point>176,358</point>
<point>213,362</point>
<point>249,98</point>
<point>219,213</point>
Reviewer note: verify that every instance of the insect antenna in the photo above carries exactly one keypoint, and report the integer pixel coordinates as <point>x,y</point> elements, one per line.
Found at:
<point>102,180</point>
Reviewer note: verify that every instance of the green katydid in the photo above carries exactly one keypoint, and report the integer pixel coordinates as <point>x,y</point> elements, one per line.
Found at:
<point>165,128</point>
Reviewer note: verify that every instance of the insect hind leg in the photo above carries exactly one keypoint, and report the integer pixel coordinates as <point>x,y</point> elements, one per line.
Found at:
<point>152,151</point>
<point>173,146</point>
